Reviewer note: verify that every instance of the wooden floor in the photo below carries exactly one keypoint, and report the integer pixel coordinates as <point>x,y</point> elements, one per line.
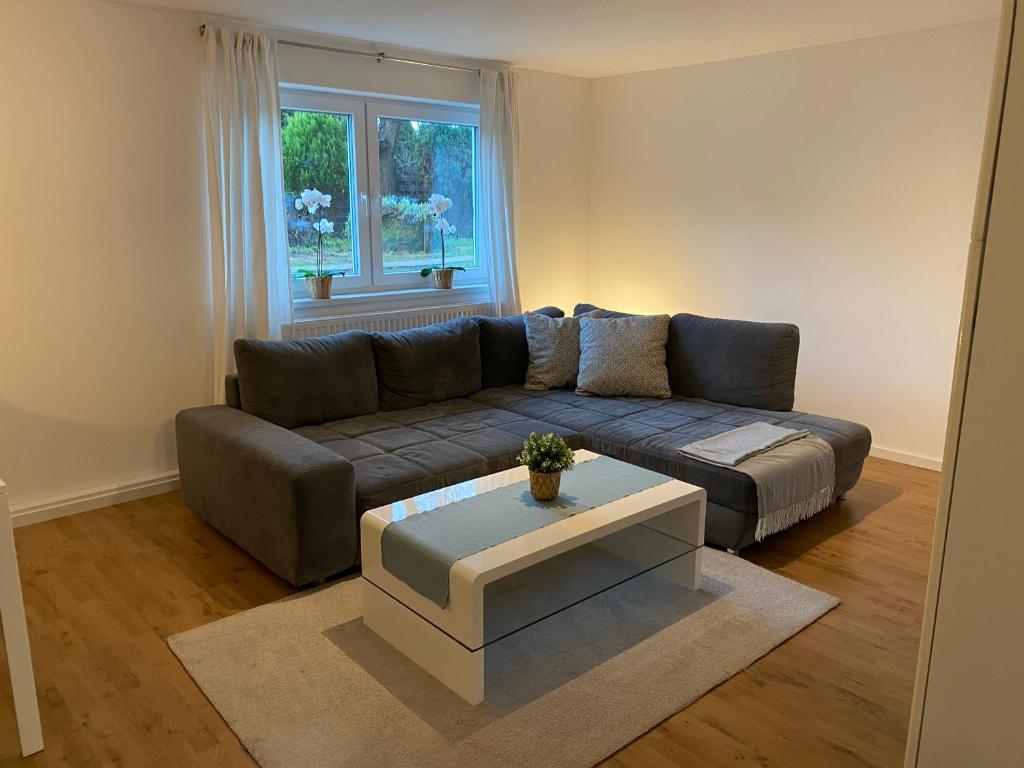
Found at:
<point>104,589</point>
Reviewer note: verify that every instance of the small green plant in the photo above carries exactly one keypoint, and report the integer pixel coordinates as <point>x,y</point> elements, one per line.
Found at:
<point>547,453</point>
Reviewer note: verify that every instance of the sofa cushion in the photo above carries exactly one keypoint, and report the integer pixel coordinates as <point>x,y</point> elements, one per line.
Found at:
<point>398,454</point>
<point>733,361</point>
<point>232,395</point>
<point>307,381</point>
<point>427,365</point>
<point>584,309</point>
<point>504,354</point>
<point>649,432</point>
<point>623,356</point>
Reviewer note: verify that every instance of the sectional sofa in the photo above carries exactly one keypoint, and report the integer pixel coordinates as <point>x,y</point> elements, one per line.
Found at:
<point>317,431</point>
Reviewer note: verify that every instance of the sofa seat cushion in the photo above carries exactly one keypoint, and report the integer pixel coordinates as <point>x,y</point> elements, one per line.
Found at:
<point>649,432</point>
<point>398,454</point>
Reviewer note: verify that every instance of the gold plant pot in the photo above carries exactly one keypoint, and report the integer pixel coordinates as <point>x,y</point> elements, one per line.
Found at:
<point>544,485</point>
<point>319,287</point>
<point>443,277</point>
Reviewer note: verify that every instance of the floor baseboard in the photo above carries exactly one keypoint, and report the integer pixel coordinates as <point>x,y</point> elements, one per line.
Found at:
<point>93,498</point>
<point>905,457</point>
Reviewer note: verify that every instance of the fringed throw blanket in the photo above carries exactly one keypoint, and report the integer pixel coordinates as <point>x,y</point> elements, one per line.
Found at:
<point>795,471</point>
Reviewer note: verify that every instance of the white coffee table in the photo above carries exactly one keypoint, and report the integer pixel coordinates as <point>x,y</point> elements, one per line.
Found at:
<point>512,585</point>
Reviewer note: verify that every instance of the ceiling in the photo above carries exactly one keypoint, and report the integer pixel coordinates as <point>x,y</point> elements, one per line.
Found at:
<point>595,38</point>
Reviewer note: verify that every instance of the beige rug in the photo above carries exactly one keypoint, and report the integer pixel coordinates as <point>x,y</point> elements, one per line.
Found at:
<point>305,685</point>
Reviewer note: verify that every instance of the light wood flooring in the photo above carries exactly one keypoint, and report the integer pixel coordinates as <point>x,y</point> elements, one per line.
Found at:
<point>103,590</point>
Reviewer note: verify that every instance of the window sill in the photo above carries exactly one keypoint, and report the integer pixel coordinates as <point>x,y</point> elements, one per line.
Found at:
<point>359,303</point>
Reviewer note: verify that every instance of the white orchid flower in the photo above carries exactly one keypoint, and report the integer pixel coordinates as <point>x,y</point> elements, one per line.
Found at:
<point>439,203</point>
<point>313,200</point>
<point>298,203</point>
<point>324,227</point>
<point>444,227</point>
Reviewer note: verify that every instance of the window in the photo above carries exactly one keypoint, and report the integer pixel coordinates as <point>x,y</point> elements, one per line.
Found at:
<point>317,148</point>
<point>417,158</point>
<point>380,161</point>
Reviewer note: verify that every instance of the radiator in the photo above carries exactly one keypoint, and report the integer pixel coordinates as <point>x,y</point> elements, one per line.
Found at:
<point>397,320</point>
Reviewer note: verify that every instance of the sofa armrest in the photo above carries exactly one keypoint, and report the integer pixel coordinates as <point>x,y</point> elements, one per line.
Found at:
<point>286,500</point>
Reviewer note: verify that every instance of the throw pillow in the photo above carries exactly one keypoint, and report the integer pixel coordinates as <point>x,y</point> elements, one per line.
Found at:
<point>554,349</point>
<point>623,356</point>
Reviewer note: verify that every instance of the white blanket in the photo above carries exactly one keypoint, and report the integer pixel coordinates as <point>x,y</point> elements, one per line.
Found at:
<point>737,445</point>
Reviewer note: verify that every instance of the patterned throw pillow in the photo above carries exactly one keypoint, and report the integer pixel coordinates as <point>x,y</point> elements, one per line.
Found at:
<point>554,345</point>
<point>623,356</point>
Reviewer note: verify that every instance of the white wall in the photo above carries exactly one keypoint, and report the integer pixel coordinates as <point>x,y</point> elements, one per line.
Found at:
<point>102,290</point>
<point>103,226</point>
<point>829,186</point>
<point>554,188</point>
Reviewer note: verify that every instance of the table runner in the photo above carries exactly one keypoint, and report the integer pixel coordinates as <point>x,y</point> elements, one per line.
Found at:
<point>421,549</point>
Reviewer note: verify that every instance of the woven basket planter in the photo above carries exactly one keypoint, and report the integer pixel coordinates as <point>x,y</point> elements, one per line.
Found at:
<point>544,485</point>
<point>443,277</point>
<point>319,287</point>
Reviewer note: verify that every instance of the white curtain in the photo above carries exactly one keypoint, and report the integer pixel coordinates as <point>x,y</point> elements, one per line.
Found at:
<point>249,261</point>
<point>499,146</point>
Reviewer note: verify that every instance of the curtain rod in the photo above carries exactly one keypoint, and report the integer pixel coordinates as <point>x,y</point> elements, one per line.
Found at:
<point>379,56</point>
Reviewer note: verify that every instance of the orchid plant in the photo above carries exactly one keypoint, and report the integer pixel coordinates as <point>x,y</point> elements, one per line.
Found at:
<point>311,201</point>
<point>435,210</point>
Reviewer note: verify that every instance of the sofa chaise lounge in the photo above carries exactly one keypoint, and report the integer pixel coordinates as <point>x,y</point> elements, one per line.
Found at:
<point>317,431</point>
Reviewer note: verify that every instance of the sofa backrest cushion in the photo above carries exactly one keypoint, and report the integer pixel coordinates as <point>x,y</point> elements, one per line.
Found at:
<point>733,361</point>
<point>427,365</point>
<point>583,309</point>
<point>307,381</point>
<point>232,395</point>
<point>504,354</point>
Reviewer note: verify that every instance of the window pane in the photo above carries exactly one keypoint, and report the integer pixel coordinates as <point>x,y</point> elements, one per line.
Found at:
<point>316,149</point>
<point>419,159</point>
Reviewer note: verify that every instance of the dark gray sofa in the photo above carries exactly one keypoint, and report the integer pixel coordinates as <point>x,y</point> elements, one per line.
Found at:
<point>317,431</point>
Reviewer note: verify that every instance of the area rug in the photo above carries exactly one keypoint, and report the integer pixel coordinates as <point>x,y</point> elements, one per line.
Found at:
<point>305,685</point>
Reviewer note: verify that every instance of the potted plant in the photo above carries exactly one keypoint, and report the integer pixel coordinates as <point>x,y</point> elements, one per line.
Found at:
<point>318,281</point>
<point>546,456</point>
<point>436,206</point>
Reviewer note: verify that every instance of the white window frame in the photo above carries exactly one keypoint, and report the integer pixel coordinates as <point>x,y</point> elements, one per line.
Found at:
<point>355,110</point>
<point>372,285</point>
<point>404,110</point>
